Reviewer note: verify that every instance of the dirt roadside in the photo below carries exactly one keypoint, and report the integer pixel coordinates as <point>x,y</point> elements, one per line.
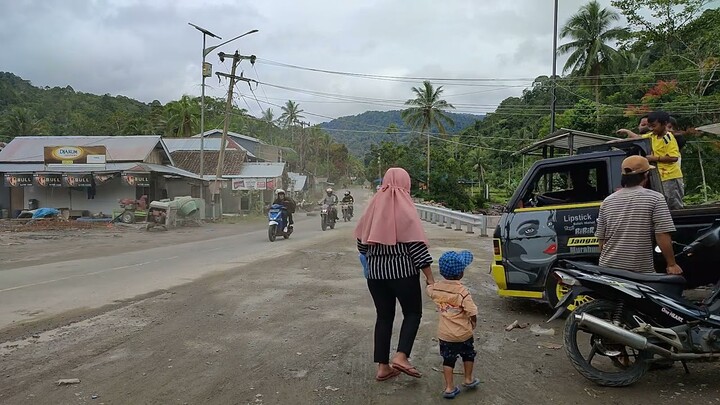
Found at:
<point>298,330</point>
<point>21,249</point>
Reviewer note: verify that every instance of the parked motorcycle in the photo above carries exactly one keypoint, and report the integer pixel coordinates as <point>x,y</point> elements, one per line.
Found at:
<point>637,319</point>
<point>347,211</point>
<point>327,217</point>
<point>278,225</point>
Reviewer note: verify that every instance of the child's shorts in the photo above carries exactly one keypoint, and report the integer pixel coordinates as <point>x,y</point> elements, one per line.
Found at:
<point>451,350</point>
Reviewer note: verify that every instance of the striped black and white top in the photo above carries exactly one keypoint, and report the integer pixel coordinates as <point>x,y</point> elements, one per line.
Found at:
<point>389,262</point>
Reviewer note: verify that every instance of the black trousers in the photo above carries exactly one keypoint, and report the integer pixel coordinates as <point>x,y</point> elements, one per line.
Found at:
<point>385,293</point>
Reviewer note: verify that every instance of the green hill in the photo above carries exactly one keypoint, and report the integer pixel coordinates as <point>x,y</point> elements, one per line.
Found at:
<point>360,131</point>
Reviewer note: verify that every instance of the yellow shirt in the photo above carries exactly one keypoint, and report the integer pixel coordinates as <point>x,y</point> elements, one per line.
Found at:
<point>666,146</point>
<point>456,306</point>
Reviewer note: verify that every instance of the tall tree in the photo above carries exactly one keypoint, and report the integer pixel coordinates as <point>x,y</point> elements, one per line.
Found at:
<point>425,112</point>
<point>21,121</point>
<point>660,21</point>
<point>591,33</point>
<point>182,117</point>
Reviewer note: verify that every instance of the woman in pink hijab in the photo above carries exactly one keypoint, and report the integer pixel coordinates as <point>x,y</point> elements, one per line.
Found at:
<point>391,237</point>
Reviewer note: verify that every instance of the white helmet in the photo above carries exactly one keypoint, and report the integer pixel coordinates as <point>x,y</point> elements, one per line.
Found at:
<point>329,190</point>
<point>279,191</point>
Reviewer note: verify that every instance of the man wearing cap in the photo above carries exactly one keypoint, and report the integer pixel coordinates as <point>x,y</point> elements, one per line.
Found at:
<point>628,220</point>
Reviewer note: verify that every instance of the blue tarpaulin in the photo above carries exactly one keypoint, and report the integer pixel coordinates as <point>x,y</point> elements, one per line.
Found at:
<point>45,212</point>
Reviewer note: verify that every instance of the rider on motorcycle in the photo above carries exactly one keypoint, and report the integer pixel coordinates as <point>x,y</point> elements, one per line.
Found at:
<point>349,200</point>
<point>331,200</point>
<point>289,205</point>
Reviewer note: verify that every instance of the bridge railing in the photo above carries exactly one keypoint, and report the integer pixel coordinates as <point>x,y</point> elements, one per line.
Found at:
<point>449,218</point>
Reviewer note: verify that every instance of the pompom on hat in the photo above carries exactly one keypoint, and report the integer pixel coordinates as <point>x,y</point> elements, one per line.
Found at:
<point>453,264</point>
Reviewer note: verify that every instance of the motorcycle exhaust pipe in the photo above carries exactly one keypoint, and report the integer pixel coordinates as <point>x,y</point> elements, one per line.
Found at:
<point>627,338</point>
<point>604,328</point>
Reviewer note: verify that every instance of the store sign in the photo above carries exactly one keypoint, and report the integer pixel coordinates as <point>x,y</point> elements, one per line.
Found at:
<point>49,179</point>
<point>252,184</point>
<point>136,179</point>
<point>18,180</point>
<point>78,179</point>
<point>68,155</point>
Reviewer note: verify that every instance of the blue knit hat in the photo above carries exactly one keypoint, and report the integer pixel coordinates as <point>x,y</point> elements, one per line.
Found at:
<point>453,264</point>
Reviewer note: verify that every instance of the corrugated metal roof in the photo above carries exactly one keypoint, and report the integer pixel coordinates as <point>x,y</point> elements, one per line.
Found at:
<point>567,140</point>
<point>297,181</point>
<point>711,129</point>
<point>109,168</point>
<point>260,170</point>
<point>232,134</point>
<point>119,148</point>
<point>193,144</point>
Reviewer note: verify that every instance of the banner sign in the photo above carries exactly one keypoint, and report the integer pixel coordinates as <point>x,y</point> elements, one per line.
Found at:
<point>103,178</point>
<point>49,179</point>
<point>77,179</point>
<point>18,180</point>
<point>253,184</point>
<point>136,179</point>
<point>67,155</point>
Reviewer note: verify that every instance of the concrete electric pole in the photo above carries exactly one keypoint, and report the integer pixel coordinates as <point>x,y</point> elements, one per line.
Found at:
<point>228,110</point>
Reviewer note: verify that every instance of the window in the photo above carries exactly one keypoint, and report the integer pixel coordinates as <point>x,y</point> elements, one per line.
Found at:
<point>568,184</point>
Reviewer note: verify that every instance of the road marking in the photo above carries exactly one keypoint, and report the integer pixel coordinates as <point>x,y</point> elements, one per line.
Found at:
<point>138,265</point>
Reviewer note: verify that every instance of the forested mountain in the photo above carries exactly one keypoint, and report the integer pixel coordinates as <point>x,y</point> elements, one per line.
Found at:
<point>360,131</point>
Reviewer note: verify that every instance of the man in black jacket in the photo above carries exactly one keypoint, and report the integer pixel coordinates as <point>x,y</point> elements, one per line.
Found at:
<point>286,202</point>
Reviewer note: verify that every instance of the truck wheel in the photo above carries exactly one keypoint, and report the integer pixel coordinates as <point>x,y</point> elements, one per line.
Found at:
<point>555,291</point>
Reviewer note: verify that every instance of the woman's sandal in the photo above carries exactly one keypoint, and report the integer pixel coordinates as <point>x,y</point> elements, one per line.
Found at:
<point>392,374</point>
<point>411,371</point>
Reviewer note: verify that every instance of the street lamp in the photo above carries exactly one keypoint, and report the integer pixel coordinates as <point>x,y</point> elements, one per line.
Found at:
<point>207,72</point>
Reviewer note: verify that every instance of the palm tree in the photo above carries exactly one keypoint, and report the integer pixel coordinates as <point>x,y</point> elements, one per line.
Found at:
<point>426,112</point>
<point>290,115</point>
<point>268,117</point>
<point>21,121</point>
<point>590,31</point>
<point>182,117</point>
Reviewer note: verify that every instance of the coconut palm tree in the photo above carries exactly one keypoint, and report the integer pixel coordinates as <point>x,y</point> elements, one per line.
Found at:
<point>592,35</point>
<point>21,121</point>
<point>290,114</point>
<point>425,112</point>
<point>182,117</point>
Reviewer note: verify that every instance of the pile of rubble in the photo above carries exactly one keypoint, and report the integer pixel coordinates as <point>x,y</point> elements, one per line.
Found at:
<point>46,224</point>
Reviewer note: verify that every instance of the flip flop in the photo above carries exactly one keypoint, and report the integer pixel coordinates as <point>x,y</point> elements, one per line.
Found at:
<point>473,384</point>
<point>451,395</point>
<point>394,373</point>
<point>411,371</point>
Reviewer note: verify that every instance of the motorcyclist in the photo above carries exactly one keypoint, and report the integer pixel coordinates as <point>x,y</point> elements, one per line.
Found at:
<point>288,204</point>
<point>331,200</point>
<point>349,200</point>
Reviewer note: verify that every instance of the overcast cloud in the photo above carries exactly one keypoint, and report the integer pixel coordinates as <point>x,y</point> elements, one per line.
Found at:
<point>146,50</point>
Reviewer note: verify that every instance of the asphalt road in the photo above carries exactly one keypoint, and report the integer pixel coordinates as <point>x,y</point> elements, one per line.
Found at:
<point>43,291</point>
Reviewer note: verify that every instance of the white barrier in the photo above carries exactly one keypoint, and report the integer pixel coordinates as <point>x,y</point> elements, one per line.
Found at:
<point>449,218</point>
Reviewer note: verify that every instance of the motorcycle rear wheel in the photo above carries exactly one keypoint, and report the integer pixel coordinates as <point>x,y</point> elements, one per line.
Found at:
<point>272,232</point>
<point>615,357</point>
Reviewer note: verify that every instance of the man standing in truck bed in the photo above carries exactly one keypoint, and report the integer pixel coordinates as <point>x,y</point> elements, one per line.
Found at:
<point>666,154</point>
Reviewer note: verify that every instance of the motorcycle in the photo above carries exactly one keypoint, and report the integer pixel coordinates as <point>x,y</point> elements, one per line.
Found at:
<point>327,217</point>
<point>278,225</point>
<point>636,319</point>
<point>347,211</point>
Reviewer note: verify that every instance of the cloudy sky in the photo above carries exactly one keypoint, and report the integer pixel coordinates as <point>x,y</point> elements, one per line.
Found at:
<point>146,50</point>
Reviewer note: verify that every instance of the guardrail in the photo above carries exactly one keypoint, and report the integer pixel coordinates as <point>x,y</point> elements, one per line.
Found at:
<point>449,218</point>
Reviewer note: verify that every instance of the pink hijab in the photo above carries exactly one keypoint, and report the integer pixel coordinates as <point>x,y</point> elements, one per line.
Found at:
<point>391,216</point>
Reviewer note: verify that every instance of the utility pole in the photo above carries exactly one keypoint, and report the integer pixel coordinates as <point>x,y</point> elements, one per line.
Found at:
<point>428,161</point>
<point>228,110</point>
<point>554,69</point>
